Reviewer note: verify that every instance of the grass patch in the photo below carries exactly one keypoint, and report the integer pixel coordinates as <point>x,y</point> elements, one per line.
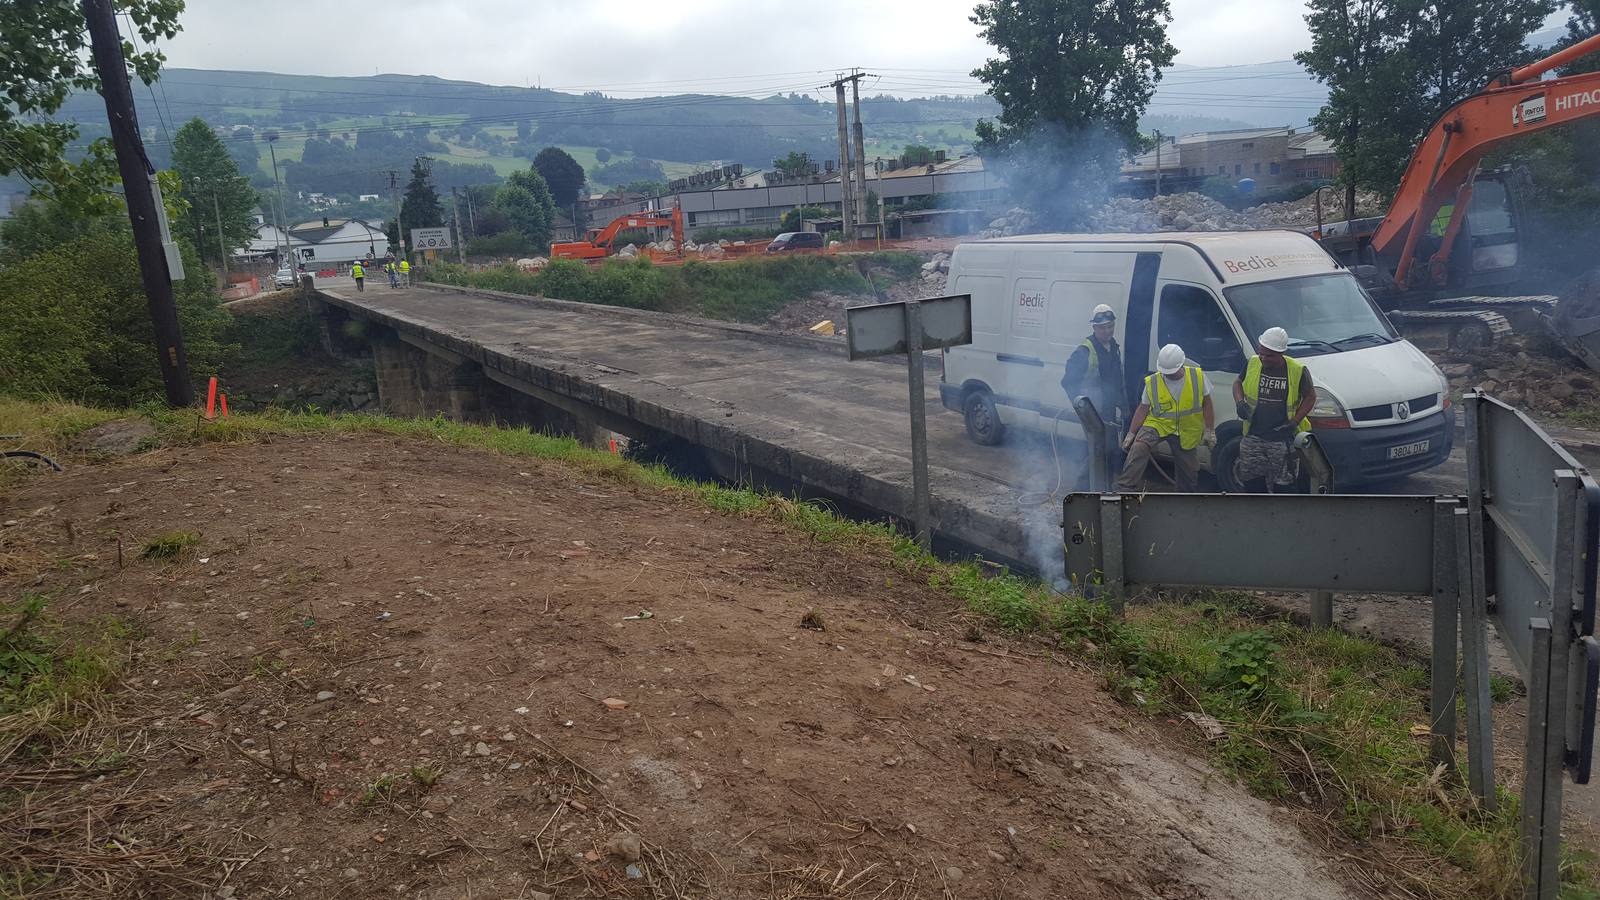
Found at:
<point>169,545</point>
<point>51,677</point>
<point>1317,718</point>
<point>745,290</point>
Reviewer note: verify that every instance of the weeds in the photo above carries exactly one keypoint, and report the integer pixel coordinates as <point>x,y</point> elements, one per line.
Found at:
<point>746,290</point>
<point>389,788</point>
<point>169,545</point>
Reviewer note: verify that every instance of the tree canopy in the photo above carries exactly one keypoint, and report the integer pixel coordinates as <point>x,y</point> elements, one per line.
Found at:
<point>562,174</point>
<point>524,204</point>
<point>1393,67</point>
<point>419,208</point>
<point>214,188</point>
<point>44,57</point>
<point>1072,78</point>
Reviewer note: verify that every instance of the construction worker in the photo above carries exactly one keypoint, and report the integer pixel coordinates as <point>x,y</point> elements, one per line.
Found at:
<point>390,269</point>
<point>1175,409</point>
<point>1094,369</point>
<point>359,274</point>
<point>1273,398</point>
<point>405,271</point>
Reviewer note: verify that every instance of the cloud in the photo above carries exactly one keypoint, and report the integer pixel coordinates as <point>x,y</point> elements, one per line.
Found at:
<point>629,47</point>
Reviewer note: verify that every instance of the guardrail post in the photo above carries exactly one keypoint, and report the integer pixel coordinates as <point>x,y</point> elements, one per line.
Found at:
<point>1111,551</point>
<point>1541,833</point>
<point>1446,609</point>
<point>1321,609</point>
<point>1475,662</point>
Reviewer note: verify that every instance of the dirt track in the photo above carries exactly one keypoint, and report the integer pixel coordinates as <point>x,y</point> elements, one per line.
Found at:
<point>467,613</point>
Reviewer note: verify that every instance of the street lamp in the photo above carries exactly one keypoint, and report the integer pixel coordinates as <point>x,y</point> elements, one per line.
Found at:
<point>282,213</point>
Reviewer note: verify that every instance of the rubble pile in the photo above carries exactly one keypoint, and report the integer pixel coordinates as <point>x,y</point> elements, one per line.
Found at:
<point>1529,371</point>
<point>1195,212</point>
<point>532,263</point>
<point>934,270</point>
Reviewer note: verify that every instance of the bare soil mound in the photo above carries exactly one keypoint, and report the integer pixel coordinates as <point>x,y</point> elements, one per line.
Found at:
<point>394,668</point>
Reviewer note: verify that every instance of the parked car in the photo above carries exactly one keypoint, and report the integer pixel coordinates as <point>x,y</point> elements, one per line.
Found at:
<point>283,278</point>
<point>796,241</point>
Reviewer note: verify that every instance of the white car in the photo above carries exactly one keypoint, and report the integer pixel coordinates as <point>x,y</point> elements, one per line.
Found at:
<point>283,278</point>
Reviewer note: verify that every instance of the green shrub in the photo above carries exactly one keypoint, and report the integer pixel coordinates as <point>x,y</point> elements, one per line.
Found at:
<point>738,233</point>
<point>74,322</point>
<point>505,243</point>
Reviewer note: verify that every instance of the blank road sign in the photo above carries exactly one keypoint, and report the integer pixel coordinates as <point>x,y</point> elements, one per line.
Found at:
<point>880,330</point>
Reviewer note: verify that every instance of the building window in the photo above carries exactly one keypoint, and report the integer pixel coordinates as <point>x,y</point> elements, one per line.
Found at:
<point>1238,169</point>
<point>1222,170</point>
<point>1257,170</point>
<point>1315,173</point>
<point>1248,145</point>
<point>1272,168</point>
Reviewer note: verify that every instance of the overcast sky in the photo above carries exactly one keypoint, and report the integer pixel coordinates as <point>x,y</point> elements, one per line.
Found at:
<point>627,47</point>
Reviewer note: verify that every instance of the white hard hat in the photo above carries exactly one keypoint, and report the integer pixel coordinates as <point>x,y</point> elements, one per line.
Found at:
<point>1171,359</point>
<point>1274,338</point>
<point>1103,315</point>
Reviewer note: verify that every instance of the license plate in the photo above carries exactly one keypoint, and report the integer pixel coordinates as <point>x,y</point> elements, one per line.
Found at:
<point>1414,448</point>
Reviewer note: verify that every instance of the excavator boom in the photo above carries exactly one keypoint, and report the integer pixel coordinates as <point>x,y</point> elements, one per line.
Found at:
<point>1514,104</point>
<point>602,243</point>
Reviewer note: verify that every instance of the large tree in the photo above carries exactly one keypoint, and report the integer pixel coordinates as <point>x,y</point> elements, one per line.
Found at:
<point>562,173</point>
<point>1394,66</point>
<point>525,213</point>
<point>1355,52</point>
<point>1072,78</point>
<point>419,208</point>
<point>214,188</point>
<point>44,57</point>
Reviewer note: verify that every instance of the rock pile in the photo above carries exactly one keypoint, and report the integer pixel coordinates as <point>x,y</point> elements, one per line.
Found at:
<point>532,263</point>
<point>934,270</point>
<point>1195,212</point>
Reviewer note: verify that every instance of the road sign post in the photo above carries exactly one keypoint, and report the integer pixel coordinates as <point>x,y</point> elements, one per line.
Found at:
<point>912,327</point>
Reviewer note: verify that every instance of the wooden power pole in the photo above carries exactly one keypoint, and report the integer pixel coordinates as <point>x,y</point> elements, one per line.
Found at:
<point>143,212</point>
<point>846,207</point>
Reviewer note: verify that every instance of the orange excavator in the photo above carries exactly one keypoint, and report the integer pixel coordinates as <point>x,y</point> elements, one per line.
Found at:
<point>1449,252</point>
<point>600,243</point>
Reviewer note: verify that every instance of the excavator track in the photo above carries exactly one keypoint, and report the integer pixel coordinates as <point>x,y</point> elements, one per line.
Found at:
<point>1456,329</point>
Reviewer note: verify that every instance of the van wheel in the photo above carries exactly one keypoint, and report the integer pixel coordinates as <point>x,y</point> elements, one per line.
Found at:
<point>983,420</point>
<point>1222,460</point>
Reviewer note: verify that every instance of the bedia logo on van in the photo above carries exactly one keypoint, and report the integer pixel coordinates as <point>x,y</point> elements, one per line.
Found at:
<point>1031,300</point>
<point>1253,264</point>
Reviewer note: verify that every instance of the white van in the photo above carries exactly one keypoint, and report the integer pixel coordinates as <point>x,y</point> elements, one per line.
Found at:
<point>1383,408</point>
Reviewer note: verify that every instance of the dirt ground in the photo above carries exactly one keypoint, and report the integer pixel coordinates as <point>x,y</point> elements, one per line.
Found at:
<point>471,626</point>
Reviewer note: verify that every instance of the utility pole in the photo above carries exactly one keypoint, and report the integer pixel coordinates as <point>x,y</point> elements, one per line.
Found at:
<point>283,212</point>
<point>861,153</point>
<point>461,237</point>
<point>472,219</point>
<point>194,215</point>
<point>1158,162</point>
<point>846,210</point>
<point>399,230</point>
<point>143,213</point>
<point>222,245</point>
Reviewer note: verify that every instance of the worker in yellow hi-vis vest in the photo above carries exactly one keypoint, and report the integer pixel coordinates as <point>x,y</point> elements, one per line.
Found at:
<point>1175,409</point>
<point>405,271</point>
<point>359,274</point>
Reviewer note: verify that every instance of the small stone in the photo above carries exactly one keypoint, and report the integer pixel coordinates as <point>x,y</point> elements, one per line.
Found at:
<point>508,737</point>
<point>351,873</point>
<point>615,703</point>
<point>997,856</point>
<point>1561,390</point>
<point>625,846</point>
<point>953,874</point>
<point>458,731</point>
<point>324,696</point>
<point>521,710</point>
<point>480,749</point>
<point>633,871</point>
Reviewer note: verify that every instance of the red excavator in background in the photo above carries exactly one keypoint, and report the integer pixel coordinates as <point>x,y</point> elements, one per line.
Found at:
<point>1449,251</point>
<point>601,242</point>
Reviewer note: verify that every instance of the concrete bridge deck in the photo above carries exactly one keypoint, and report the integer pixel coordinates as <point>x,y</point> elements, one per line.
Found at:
<point>781,410</point>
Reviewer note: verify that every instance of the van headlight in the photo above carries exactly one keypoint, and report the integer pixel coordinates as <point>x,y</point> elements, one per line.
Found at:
<point>1328,412</point>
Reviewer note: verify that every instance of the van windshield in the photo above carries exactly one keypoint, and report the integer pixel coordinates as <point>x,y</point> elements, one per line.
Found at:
<point>1322,313</point>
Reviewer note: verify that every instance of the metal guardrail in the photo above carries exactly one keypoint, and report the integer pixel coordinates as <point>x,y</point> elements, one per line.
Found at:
<point>1519,551</point>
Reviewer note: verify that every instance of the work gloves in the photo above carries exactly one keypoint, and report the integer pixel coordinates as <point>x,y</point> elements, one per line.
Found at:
<point>1210,438</point>
<point>1242,410</point>
<point>1127,442</point>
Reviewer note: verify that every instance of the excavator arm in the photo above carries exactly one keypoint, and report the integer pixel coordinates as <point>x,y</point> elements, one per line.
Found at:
<point>600,242</point>
<point>1441,169</point>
